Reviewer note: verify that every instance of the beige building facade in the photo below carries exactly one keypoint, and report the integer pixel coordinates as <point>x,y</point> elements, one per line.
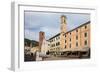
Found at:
<point>77,39</point>
<point>54,43</point>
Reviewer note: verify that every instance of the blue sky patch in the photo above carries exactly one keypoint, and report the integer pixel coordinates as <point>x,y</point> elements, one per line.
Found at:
<point>50,23</point>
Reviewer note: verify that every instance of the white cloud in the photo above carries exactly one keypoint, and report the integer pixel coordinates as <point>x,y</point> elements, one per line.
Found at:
<point>50,23</point>
<point>31,35</point>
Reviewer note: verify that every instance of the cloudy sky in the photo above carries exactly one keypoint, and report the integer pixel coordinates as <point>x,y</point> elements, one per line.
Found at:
<point>50,23</point>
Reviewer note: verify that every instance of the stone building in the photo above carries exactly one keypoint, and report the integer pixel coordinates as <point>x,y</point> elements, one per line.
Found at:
<point>41,38</point>
<point>77,39</point>
<point>45,47</point>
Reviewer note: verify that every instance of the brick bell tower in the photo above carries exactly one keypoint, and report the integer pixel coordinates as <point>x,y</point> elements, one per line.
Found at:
<point>63,29</point>
<point>41,37</point>
<point>63,24</point>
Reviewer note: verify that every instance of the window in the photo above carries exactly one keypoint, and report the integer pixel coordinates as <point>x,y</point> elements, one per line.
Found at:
<point>42,33</point>
<point>85,27</point>
<point>76,44</point>
<point>70,46</point>
<point>76,37</point>
<point>57,38</point>
<point>58,43</point>
<point>70,39</point>
<point>77,30</point>
<point>85,42</point>
<point>65,35</point>
<point>85,34</point>
<point>65,46</point>
<point>65,41</point>
<point>54,45</point>
<point>54,39</point>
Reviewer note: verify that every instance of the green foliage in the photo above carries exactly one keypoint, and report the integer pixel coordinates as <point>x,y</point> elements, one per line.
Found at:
<point>28,42</point>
